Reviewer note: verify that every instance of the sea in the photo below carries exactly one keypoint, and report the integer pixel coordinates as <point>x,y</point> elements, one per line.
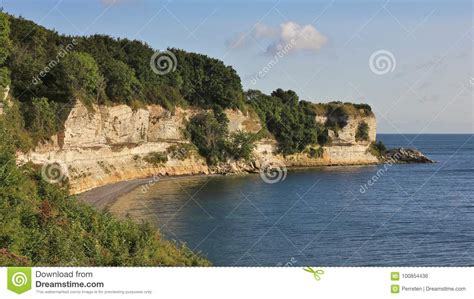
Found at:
<point>383,215</point>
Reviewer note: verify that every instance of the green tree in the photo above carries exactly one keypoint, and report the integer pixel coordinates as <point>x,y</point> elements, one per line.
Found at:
<point>122,85</point>
<point>209,135</point>
<point>5,42</point>
<point>207,82</point>
<point>290,121</point>
<point>5,45</point>
<point>43,119</point>
<point>241,144</point>
<point>82,74</point>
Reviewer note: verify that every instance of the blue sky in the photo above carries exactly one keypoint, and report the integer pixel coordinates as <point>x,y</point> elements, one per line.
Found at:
<point>427,86</point>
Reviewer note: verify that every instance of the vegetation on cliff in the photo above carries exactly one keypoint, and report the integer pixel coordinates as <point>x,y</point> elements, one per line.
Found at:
<point>290,120</point>
<point>362,132</point>
<point>209,132</point>
<point>50,71</point>
<point>4,51</point>
<point>41,225</point>
<point>377,149</point>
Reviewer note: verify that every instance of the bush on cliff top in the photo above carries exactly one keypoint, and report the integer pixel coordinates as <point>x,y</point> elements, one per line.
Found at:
<point>291,121</point>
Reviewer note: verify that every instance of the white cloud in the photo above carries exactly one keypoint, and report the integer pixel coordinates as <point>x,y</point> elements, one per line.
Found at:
<point>301,37</point>
<point>305,37</point>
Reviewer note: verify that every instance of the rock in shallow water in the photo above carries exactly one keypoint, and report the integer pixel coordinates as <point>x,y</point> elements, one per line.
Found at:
<point>405,155</point>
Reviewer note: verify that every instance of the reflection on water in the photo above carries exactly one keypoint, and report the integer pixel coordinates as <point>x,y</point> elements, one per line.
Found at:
<point>413,214</point>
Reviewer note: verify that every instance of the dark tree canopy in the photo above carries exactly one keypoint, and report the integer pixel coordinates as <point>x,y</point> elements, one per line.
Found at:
<point>124,64</point>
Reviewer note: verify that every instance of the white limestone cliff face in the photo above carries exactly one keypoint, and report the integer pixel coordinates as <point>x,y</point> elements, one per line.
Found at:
<point>108,144</point>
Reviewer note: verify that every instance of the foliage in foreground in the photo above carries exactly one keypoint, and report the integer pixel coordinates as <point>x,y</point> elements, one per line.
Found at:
<point>41,225</point>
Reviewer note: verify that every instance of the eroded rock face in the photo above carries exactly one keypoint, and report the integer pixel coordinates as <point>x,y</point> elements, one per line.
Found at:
<point>113,126</point>
<point>402,155</point>
<point>164,125</point>
<point>106,144</point>
<point>239,121</point>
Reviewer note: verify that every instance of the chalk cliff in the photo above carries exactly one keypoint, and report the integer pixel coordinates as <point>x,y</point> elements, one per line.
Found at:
<point>108,144</point>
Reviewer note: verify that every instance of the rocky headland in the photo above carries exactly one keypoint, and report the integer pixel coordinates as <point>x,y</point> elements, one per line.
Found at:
<point>109,144</point>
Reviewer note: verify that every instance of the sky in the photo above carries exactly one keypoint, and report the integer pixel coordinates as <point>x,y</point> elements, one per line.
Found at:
<point>412,61</point>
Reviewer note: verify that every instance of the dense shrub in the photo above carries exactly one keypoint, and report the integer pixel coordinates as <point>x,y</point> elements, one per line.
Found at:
<point>13,124</point>
<point>4,80</point>
<point>324,138</point>
<point>240,145</point>
<point>377,149</point>
<point>208,132</point>
<point>291,121</point>
<point>83,75</point>
<point>156,158</point>
<point>181,151</point>
<point>362,132</point>
<point>43,120</point>
<point>5,46</point>
<point>315,152</point>
<point>5,42</point>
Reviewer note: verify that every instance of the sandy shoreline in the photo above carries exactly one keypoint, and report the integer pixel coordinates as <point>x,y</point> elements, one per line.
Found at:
<point>104,196</point>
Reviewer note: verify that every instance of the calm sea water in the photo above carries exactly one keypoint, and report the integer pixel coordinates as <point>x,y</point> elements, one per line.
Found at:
<point>419,214</point>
